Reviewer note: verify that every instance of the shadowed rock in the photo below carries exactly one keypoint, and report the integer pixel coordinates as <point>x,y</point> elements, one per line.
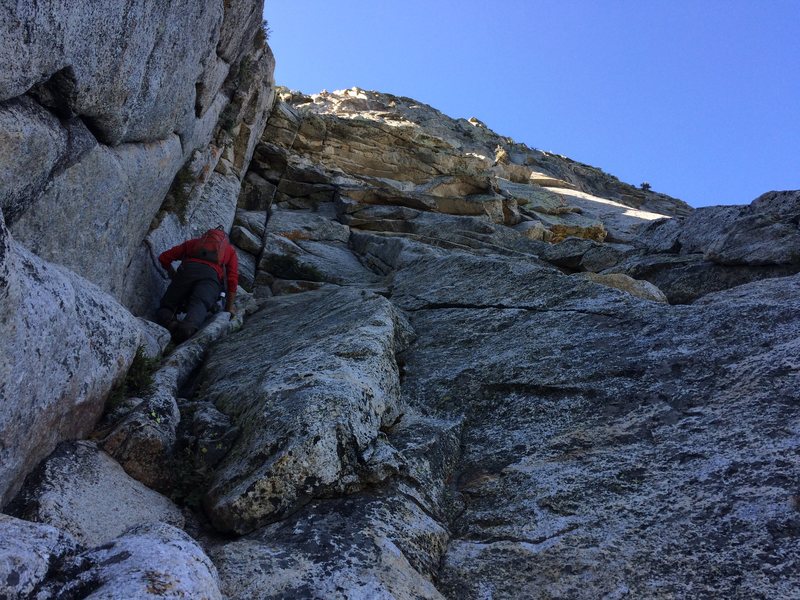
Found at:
<point>83,491</point>
<point>150,561</point>
<point>28,553</point>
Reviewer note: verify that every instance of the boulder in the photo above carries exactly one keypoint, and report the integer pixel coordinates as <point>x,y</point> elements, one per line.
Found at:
<point>28,553</point>
<point>309,380</point>
<point>63,345</point>
<point>84,492</point>
<point>634,287</point>
<point>318,554</point>
<point>245,240</point>
<point>155,560</point>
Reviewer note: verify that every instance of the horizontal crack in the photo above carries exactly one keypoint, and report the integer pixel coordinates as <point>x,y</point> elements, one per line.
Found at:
<point>466,306</point>
<point>515,540</point>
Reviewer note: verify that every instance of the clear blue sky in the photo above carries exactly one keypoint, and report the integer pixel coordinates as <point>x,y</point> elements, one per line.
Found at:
<point>700,98</point>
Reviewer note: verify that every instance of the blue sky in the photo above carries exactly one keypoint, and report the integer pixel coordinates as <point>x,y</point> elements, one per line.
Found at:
<point>699,98</point>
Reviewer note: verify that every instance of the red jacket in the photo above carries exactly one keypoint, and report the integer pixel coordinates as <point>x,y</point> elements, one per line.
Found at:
<point>183,251</point>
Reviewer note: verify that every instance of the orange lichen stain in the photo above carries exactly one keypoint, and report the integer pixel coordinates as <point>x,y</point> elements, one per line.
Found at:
<point>295,235</point>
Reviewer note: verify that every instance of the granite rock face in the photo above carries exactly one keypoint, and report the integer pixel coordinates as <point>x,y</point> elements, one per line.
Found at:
<point>357,547</point>
<point>99,111</point>
<point>53,385</point>
<point>307,428</point>
<point>155,560</point>
<point>83,491</point>
<point>99,123</point>
<point>132,79</point>
<point>553,437</point>
<point>718,247</point>
<point>121,188</point>
<point>603,453</point>
<point>104,111</point>
<point>380,543</point>
<point>32,143</point>
<point>467,369</point>
<point>28,552</point>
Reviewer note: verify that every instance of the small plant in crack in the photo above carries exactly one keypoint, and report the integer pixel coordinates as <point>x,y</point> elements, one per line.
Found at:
<point>138,380</point>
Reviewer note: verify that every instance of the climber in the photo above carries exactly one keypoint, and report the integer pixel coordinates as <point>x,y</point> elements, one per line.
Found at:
<point>206,262</point>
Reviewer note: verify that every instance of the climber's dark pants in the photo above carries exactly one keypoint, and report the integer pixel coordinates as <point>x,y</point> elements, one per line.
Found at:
<point>197,287</point>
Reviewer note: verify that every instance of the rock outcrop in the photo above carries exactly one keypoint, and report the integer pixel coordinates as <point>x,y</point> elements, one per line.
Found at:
<point>28,553</point>
<point>718,247</point>
<point>110,116</point>
<point>150,561</point>
<point>65,343</point>
<point>463,367</point>
<point>97,128</point>
<point>608,438</point>
<point>83,491</point>
<point>583,437</point>
<point>310,403</point>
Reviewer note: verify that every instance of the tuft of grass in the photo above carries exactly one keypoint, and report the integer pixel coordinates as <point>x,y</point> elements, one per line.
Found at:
<point>227,120</point>
<point>177,200</point>
<point>138,380</point>
<point>262,35</point>
<point>247,73</point>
